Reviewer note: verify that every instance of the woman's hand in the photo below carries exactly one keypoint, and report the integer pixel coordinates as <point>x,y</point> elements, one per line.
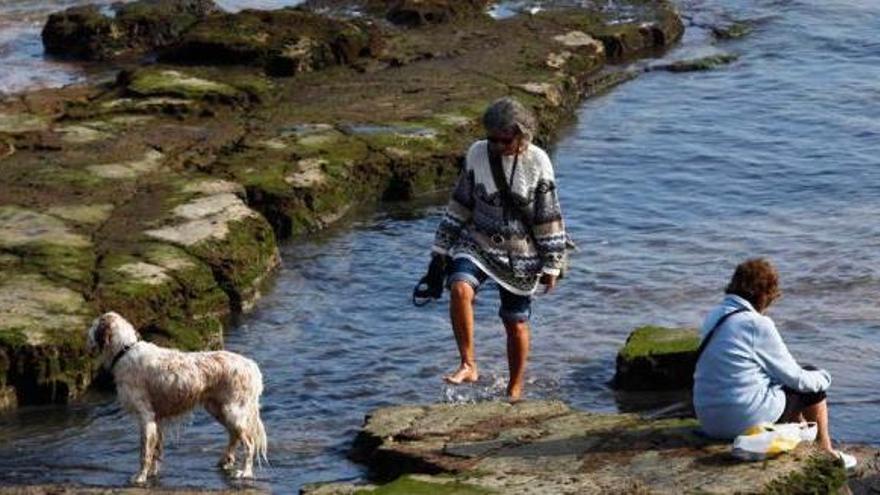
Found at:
<point>548,281</point>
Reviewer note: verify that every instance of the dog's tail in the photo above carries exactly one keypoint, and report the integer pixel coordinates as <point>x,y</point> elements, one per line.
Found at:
<point>258,433</point>
<point>255,424</point>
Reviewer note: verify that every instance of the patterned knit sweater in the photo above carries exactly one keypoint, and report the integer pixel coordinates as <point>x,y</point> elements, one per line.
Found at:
<point>476,227</point>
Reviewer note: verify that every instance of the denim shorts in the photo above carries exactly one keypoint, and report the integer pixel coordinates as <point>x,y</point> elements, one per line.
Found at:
<point>514,307</point>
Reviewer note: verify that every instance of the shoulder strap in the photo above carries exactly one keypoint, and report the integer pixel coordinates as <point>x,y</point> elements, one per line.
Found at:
<point>507,202</point>
<point>711,333</point>
<point>498,174</point>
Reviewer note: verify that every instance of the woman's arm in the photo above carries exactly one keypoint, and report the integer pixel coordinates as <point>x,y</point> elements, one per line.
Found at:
<point>774,357</point>
<point>548,228</point>
<point>459,211</point>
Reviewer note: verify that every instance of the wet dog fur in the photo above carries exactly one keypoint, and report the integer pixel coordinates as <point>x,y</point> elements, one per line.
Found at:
<point>157,384</point>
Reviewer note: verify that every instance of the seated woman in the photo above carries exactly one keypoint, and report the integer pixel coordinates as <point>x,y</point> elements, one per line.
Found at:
<point>745,375</point>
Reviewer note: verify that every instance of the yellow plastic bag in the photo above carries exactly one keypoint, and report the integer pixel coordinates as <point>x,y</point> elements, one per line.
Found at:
<point>768,440</point>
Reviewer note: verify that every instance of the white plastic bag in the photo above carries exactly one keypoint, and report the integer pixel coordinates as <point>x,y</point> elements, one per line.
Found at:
<point>769,440</point>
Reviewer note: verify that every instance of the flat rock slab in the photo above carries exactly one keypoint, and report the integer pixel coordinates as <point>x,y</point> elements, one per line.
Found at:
<point>546,447</point>
<point>33,310</point>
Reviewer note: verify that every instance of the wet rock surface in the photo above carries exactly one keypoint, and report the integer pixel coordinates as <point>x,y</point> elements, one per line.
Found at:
<point>545,447</point>
<point>422,12</point>
<point>91,33</point>
<point>162,195</point>
<point>283,42</point>
<point>704,63</point>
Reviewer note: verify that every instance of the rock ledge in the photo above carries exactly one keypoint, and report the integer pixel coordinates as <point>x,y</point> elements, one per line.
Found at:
<point>546,447</point>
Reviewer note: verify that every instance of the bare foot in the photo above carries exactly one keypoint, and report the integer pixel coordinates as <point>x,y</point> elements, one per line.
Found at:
<point>514,393</point>
<point>464,374</point>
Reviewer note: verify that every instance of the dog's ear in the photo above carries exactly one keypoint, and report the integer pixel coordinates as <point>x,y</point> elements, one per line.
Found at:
<point>103,334</point>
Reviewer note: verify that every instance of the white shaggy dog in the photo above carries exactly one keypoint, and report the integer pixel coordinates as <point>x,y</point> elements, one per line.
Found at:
<point>156,384</point>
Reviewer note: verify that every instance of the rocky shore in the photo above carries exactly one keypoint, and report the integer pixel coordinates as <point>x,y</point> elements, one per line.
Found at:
<point>163,193</point>
<point>544,447</point>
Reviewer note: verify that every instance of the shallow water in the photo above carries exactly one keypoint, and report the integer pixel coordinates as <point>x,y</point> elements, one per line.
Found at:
<point>667,182</point>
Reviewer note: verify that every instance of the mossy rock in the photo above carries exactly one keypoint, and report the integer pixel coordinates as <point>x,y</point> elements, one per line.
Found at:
<point>82,32</point>
<point>657,358</point>
<point>179,84</point>
<point>236,242</point>
<point>42,339</point>
<point>304,178</point>
<point>658,27</point>
<point>821,474</point>
<point>405,485</point>
<point>700,64</point>
<point>733,30</point>
<point>81,213</point>
<point>46,244</point>
<point>18,123</point>
<point>283,42</point>
<point>242,260</point>
<point>86,32</point>
<point>414,13</point>
<point>171,296</point>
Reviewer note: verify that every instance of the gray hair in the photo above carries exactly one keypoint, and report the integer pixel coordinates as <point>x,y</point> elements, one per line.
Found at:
<point>507,113</point>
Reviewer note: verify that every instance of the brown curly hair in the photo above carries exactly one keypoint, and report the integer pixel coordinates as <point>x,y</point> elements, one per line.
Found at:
<point>757,281</point>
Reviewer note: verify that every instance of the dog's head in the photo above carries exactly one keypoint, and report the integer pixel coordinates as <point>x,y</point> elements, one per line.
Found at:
<point>109,333</point>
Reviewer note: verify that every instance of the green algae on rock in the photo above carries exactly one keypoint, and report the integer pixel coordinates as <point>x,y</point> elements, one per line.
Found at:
<point>46,244</point>
<point>405,485</point>
<point>42,338</point>
<point>169,295</point>
<point>82,214</point>
<point>236,241</point>
<point>657,358</point>
<point>150,162</point>
<point>20,123</point>
<point>423,12</point>
<point>733,30</point>
<point>283,42</point>
<point>174,83</point>
<point>699,64</point>
<point>87,32</point>
<point>546,447</point>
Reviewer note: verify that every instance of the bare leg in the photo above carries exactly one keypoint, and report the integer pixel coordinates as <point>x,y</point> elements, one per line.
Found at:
<point>517,354</point>
<point>819,413</point>
<point>461,312</point>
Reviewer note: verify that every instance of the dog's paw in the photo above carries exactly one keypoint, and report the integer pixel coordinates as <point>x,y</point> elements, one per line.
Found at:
<point>139,479</point>
<point>241,474</point>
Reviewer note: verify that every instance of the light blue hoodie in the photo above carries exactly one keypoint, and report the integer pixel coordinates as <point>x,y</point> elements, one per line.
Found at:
<point>738,379</point>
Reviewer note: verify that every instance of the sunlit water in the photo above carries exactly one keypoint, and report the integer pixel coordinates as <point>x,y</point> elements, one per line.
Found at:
<point>667,182</point>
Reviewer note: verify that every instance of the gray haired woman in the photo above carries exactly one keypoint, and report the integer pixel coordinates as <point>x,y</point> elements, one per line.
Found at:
<point>513,234</point>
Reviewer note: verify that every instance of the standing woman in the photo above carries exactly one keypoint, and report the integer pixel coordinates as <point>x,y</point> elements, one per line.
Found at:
<point>515,239</point>
<point>746,376</point>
